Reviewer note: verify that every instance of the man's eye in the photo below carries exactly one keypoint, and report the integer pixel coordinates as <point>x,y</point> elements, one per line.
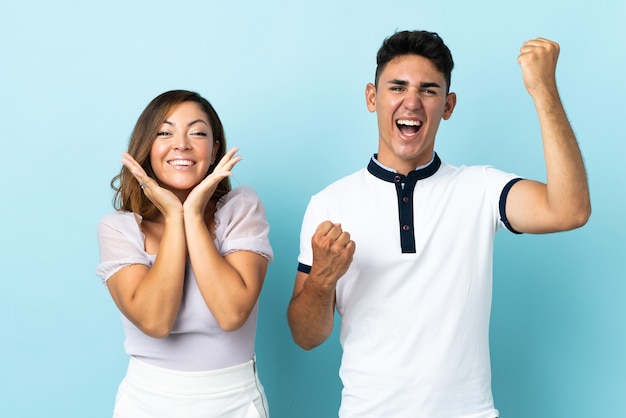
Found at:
<point>428,91</point>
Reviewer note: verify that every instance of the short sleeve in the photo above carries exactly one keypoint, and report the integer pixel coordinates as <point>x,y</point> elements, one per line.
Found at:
<point>121,243</point>
<point>313,216</point>
<point>500,183</point>
<point>241,223</point>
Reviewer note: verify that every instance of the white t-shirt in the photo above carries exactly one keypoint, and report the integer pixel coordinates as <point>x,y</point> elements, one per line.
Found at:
<point>196,342</point>
<point>415,319</point>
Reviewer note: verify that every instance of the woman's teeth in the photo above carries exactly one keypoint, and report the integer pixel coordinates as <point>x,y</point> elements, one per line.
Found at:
<point>181,162</point>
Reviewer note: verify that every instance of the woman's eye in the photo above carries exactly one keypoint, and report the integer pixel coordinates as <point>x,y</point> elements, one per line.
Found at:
<point>200,133</point>
<point>163,133</point>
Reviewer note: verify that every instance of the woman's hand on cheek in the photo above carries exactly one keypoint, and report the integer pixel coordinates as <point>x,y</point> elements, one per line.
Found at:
<point>165,201</point>
<point>202,193</point>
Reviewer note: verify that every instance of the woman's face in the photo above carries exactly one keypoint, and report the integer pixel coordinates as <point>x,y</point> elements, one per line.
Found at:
<point>184,149</point>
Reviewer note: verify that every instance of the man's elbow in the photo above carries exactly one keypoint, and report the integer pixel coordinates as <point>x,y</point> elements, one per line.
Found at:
<point>583,214</point>
<point>576,219</point>
<point>583,217</point>
<point>304,343</point>
<point>303,337</point>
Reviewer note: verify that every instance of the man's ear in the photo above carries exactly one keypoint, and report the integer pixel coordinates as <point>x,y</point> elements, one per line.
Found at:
<point>370,97</point>
<point>450,104</point>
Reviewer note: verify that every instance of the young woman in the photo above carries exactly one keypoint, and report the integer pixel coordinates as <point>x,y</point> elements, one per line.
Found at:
<point>184,258</point>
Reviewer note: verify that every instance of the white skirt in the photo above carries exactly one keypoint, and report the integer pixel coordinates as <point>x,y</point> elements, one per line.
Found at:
<point>148,391</point>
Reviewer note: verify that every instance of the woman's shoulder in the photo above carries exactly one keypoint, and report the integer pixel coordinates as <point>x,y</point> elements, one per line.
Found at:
<point>241,202</point>
<point>120,219</point>
<point>238,195</point>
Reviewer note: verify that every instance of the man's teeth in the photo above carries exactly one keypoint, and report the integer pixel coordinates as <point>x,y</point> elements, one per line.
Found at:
<point>181,162</point>
<point>410,122</point>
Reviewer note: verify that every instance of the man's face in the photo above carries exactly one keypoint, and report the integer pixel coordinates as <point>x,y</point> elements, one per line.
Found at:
<point>409,102</point>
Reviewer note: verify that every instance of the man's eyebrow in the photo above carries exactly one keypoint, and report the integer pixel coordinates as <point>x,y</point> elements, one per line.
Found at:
<point>398,82</point>
<point>430,85</point>
<point>425,84</point>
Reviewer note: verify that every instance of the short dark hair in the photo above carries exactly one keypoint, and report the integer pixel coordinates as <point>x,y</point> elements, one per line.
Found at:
<point>426,44</point>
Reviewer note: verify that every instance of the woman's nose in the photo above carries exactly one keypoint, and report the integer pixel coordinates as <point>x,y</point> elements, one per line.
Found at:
<point>181,143</point>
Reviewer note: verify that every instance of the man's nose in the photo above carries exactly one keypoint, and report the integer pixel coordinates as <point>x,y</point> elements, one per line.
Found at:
<point>412,100</point>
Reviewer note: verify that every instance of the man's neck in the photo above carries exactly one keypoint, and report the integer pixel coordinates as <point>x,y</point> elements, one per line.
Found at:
<point>406,170</point>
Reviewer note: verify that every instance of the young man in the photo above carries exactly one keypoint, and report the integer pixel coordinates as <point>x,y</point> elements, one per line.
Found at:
<point>403,248</point>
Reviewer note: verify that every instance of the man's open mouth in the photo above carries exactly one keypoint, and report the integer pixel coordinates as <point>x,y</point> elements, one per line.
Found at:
<point>408,127</point>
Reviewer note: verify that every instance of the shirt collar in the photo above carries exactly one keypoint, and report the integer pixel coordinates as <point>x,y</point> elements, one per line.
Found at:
<point>387,174</point>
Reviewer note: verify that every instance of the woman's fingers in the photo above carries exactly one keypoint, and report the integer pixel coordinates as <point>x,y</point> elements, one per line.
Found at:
<point>163,199</point>
<point>137,171</point>
<point>228,161</point>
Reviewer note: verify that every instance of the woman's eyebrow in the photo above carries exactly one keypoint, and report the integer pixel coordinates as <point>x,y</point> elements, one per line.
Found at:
<point>167,122</point>
<point>196,121</point>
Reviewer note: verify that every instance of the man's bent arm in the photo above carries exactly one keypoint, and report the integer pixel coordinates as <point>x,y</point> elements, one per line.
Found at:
<point>563,203</point>
<point>311,312</point>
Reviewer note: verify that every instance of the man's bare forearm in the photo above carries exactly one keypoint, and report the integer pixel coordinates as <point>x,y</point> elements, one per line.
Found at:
<point>311,314</point>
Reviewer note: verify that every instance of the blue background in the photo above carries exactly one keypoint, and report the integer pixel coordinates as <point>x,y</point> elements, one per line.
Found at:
<point>288,81</point>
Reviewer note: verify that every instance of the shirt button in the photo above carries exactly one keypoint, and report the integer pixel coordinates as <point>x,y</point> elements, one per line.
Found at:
<point>405,199</point>
<point>397,179</point>
<point>405,227</point>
